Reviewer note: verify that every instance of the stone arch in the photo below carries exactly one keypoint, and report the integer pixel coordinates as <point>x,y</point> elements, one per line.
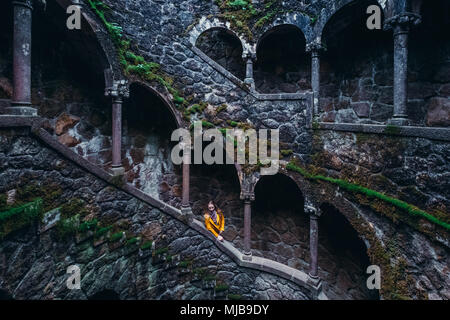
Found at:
<point>428,66</point>
<point>93,27</point>
<point>206,24</point>
<point>355,84</point>
<point>149,119</point>
<point>282,63</point>
<point>328,13</point>
<point>280,227</point>
<point>296,19</point>
<point>343,258</point>
<point>163,97</point>
<point>279,180</point>
<point>225,48</point>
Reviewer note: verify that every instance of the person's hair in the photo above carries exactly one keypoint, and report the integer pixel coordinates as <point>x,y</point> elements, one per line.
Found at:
<point>212,202</point>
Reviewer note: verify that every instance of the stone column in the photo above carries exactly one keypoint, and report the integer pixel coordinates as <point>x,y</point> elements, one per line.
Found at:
<point>314,48</point>
<point>400,25</point>
<point>118,92</point>
<point>21,101</point>
<point>248,198</point>
<point>186,209</point>
<point>249,58</point>
<point>313,242</point>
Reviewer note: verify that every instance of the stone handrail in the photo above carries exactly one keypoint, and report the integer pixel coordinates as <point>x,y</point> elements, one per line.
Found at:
<point>258,263</point>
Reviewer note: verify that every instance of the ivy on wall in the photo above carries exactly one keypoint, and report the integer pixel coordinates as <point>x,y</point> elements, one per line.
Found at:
<point>354,188</point>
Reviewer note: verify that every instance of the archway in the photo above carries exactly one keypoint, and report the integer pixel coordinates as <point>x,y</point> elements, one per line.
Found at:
<point>343,258</point>
<point>282,64</point>
<point>280,229</point>
<point>224,48</point>
<point>6,59</point>
<point>356,69</point>
<point>429,66</point>
<point>148,123</point>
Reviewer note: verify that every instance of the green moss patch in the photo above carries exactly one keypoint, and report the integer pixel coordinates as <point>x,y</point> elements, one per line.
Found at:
<point>19,217</point>
<point>406,207</point>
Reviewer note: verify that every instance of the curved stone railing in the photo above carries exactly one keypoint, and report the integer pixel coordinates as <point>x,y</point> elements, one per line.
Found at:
<point>258,263</point>
<point>241,84</point>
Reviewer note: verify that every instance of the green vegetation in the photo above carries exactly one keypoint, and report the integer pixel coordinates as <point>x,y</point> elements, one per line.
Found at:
<point>410,209</point>
<point>116,236</point>
<point>73,207</point>
<point>221,108</point>
<point>286,152</point>
<point>234,296</point>
<point>102,231</point>
<point>147,245</point>
<point>67,227</point>
<point>185,264</point>
<point>16,218</point>
<point>133,240</point>
<point>232,123</point>
<point>88,225</point>
<point>161,251</point>
<point>132,63</point>
<point>392,129</point>
<point>221,287</point>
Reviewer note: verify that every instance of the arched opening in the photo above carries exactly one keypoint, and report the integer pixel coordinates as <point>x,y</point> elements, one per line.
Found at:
<point>282,64</point>
<point>220,183</point>
<point>5,296</point>
<point>343,258</point>
<point>356,69</point>
<point>108,295</point>
<point>147,128</point>
<point>67,66</point>
<point>224,48</point>
<point>6,55</point>
<point>429,66</point>
<point>280,229</point>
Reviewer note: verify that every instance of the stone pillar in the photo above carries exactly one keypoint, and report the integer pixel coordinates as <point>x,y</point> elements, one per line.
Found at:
<point>248,198</point>
<point>186,209</point>
<point>315,48</point>
<point>249,58</point>
<point>21,101</point>
<point>400,25</point>
<point>313,242</point>
<point>118,91</point>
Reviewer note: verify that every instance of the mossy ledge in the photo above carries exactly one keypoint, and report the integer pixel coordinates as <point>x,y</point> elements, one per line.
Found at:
<point>354,188</point>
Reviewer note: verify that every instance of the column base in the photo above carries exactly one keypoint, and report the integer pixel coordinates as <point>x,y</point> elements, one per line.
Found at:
<point>187,214</point>
<point>250,82</point>
<point>247,256</point>
<point>21,110</point>
<point>314,280</point>
<point>117,171</point>
<point>399,121</point>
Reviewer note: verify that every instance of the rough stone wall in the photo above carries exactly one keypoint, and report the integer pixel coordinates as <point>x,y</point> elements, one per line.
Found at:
<point>357,79</point>
<point>429,77</point>
<point>412,169</point>
<point>33,266</point>
<point>415,170</point>
<point>225,49</point>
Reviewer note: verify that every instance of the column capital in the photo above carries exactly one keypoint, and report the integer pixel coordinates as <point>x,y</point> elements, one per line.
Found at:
<point>313,212</point>
<point>24,3</point>
<point>315,47</point>
<point>119,89</point>
<point>247,196</point>
<point>404,20</point>
<point>249,55</point>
